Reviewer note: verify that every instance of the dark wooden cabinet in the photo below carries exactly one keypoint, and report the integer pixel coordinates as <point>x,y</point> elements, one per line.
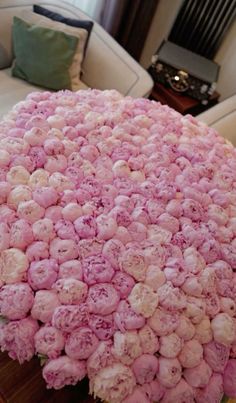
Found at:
<point>181,103</point>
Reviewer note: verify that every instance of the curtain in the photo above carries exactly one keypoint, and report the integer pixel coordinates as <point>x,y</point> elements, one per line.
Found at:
<point>128,21</point>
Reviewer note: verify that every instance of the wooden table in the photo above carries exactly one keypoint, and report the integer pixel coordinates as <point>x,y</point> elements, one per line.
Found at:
<point>181,103</point>
<point>24,384</point>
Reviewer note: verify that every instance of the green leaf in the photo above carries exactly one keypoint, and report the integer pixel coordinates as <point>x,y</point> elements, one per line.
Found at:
<point>3,320</point>
<point>43,359</point>
<point>224,399</point>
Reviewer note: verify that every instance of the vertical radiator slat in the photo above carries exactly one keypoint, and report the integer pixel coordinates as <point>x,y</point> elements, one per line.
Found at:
<point>206,24</point>
<point>200,25</point>
<point>179,23</point>
<point>213,26</point>
<point>194,21</point>
<point>186,25</point>
<point>230,19</point>
<point>218,30</point>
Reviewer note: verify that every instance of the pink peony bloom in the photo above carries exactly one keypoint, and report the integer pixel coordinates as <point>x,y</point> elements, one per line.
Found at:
<point>30,211</point>
<point>16,300</point>
<point>65,230</point>
<point>212,392</point>
<point>63,249</point>
<point>112,250</point>
<point>45,196</point>
<point>171,298</point>
<point>69,317</point>
<point>45,303</point>
<point>191,354</point>
<point>148,339</point>
<point>81,343</point>
<point>70,291</point>
<point>106,227</point>
<point>13,266</point>
<point>100,358</point>
<point>155,277</point>
<point>72,211</point>
<point>216,355</point>
<point>85,226</point>
<point>43,230</point>
<point>145,368</point>
<point>123,283</point>
<point>170,345</point>
<point>37,250</point>
<point>138,395</point>
<point>102,299</point>
<point>127,346</point>
<point>63,371</point>
<point>102,326</point>
<point>182,392</point>
<point>54,213</point>
<point>192,286</point>
<point>126,319</point>
<point>4,236</point>
<point>143,300</point>
<point>199,376</point>
<point>203,331</point>
<point>195,309</point>
<point>229,378</point>
<point>49,341</point>
<point>114,382</point>
<point>133,263</point>
<point>169,373</point>
<point>53,146</point>
<point>71,268</point>
<point>153,390</point>
<point>223,328</point>
<point>97,269</point>
<point>17,338</point>
<point>42,274</point>
<point>163,322</point>
<point>21,234</point>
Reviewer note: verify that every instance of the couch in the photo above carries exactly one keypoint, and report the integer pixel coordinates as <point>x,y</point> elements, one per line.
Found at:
<point>107,65</point>
<point>223,118</point>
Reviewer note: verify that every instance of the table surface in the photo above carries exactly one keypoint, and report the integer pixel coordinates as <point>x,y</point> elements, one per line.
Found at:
<point>182,103</point>
<point>24,384</point>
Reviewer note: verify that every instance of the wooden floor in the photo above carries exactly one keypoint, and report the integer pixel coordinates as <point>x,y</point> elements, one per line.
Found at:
<point>24,384</point>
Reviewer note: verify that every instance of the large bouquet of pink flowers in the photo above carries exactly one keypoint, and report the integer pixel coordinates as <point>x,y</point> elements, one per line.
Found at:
<point>118,247</point>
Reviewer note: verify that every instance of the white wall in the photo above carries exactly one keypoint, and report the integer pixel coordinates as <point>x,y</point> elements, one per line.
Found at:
<point>161,25</point>
<point>226,57</point>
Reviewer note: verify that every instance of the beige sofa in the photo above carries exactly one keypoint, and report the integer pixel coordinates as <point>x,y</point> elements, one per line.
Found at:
<point>107,65</point>
<point>223,118</point>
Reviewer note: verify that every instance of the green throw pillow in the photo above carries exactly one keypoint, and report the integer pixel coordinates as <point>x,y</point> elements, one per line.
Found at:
<point>43,55</point>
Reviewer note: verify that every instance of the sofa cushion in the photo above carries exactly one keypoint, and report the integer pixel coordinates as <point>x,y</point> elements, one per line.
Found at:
<point>13,90</point>
<point>43,56</point>
<point>87,25</point>
<point>48,53</point>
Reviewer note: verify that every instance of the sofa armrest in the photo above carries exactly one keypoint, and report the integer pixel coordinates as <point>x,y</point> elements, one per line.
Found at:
<point>222,117</point>
<point>108,66</point>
